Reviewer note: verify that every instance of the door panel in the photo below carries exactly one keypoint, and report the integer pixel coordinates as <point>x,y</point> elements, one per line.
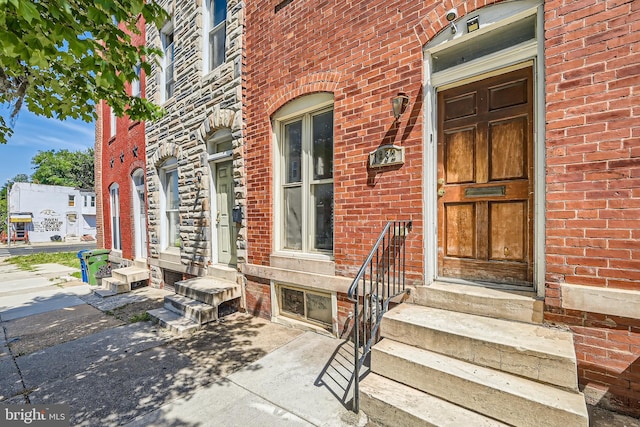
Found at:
<point>485,180</point>
<point>225,228</point>
<point>460,154</point>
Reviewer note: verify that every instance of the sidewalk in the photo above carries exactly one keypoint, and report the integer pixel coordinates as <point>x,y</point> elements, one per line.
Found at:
<point>61,345</point>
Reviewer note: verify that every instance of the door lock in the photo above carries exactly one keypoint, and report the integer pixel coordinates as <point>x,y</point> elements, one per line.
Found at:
<point>441,192</point>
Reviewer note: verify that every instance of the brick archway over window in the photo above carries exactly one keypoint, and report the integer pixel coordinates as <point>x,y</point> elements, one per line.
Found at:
<point>318,82</point>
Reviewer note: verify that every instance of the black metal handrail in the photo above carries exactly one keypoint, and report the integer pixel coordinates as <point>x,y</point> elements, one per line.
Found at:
<point>380,279</point>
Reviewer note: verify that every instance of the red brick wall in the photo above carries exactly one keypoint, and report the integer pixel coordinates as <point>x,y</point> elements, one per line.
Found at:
<point>129,134</point>
<point>258,294</point>
<point>593,182</point>
<point>305,49</point>
<point>97,170</point>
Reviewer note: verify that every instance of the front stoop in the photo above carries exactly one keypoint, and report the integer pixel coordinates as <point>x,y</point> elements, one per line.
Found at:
<point>121,280</point>
<point>195,303</point>
<point>441,361</point>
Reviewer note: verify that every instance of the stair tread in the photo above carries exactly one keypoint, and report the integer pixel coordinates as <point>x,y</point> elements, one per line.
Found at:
<point>207,284</point>
<point>547,395</point>
<point>173,321</point>
<point>430,410</point>
<point>190,302</point>
<point>524,337</point>
<point>132,269</point>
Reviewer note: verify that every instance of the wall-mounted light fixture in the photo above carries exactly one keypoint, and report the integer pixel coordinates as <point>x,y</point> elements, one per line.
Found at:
<point>399,104</point>
<point>451,16</point>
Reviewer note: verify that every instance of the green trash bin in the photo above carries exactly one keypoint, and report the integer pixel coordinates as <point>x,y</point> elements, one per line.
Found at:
<point>98,265</point>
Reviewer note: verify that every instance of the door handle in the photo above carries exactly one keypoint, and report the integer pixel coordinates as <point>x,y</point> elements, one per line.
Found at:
<point>218,218</point>
<point>441,192</point>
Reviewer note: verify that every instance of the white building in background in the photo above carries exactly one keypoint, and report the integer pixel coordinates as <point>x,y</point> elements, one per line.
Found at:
<point>43,213</point>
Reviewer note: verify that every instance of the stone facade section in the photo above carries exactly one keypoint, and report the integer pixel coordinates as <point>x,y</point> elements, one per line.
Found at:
<point>202,104</point>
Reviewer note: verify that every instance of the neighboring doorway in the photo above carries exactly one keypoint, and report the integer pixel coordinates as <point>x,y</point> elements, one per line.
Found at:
<point>222,196</point>
<point>139,215</point>
<point>485,180</point>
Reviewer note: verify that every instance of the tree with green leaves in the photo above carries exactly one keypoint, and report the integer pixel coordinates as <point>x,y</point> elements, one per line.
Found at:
<point>60,57</point>
<point>64,167</point>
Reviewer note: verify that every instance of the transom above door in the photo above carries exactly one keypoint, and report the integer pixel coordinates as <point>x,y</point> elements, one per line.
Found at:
<point>485,180</point>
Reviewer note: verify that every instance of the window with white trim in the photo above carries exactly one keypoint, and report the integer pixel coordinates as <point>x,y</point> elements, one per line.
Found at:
<point>170,204</point>
<point>304,134</point>
<point>215,33</point>
<point>114,198</point>
<point>168,72</point>
<point>135,84</point>
<point>112,123</point>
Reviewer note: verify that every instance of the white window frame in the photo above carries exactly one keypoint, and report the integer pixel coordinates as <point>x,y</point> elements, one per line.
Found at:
<point>167,37</point>
<point>167,242</point>
<point>114,199</point>
<point>112,123</point>
<point>135,84</point>
<point>211,62</point>
<point>305,108</point>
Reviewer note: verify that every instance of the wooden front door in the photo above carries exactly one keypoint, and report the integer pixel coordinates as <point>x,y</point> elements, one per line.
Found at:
<point>485,180</point>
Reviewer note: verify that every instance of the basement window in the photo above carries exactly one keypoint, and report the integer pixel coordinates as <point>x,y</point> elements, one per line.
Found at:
<point>301,304</point>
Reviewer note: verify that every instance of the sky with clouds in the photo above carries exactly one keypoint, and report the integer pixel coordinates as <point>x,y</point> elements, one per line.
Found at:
<point>34,133</point>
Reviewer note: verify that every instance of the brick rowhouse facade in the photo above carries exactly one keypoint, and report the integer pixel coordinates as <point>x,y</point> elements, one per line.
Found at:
<point>592,53</point>
<point>366,52</point>
<point>118,157</point>
<point>203,104</point>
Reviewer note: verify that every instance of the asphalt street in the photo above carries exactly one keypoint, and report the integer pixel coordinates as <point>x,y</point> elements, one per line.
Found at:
<point>20,248</point>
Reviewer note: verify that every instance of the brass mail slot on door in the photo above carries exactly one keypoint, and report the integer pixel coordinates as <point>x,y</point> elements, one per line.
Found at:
<point>499,190</point>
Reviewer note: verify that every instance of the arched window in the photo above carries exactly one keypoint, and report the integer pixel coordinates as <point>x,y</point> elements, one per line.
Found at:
<point>304,174</point>
<point>170,204</point>
<point>114,198</point>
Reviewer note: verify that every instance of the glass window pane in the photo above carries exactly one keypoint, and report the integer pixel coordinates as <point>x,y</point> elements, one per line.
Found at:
<point>293,218</point>
<point>173,222</point>
<point>323,145</point>
<point>173,198</point>
<point>323,195</point>
<point>217,40</point>
<point>219,11</point>
<point>293,301</point>
<point>293,152</point>
<point>485,44</point>
<point>319,308</point>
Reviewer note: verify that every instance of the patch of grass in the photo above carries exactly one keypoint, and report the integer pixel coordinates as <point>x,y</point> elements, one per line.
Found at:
<point>76,274</point>
<point>140,317</point>
<point>27,262</point>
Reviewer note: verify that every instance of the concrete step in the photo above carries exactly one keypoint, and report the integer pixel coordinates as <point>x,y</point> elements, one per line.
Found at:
<point>521,306</point>
<point>223,272</point>
<point>173,322</point>
<point>208,290</point>
<point>533,351</point>
<point>116,285</point>
<point>131,274</point>
<point>197,311</point>
<point>140,263</point>
<point>388,403</point>
<point>495,394</point>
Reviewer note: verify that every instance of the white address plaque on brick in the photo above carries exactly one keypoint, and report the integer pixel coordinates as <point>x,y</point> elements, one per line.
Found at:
<point>386,155</point>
